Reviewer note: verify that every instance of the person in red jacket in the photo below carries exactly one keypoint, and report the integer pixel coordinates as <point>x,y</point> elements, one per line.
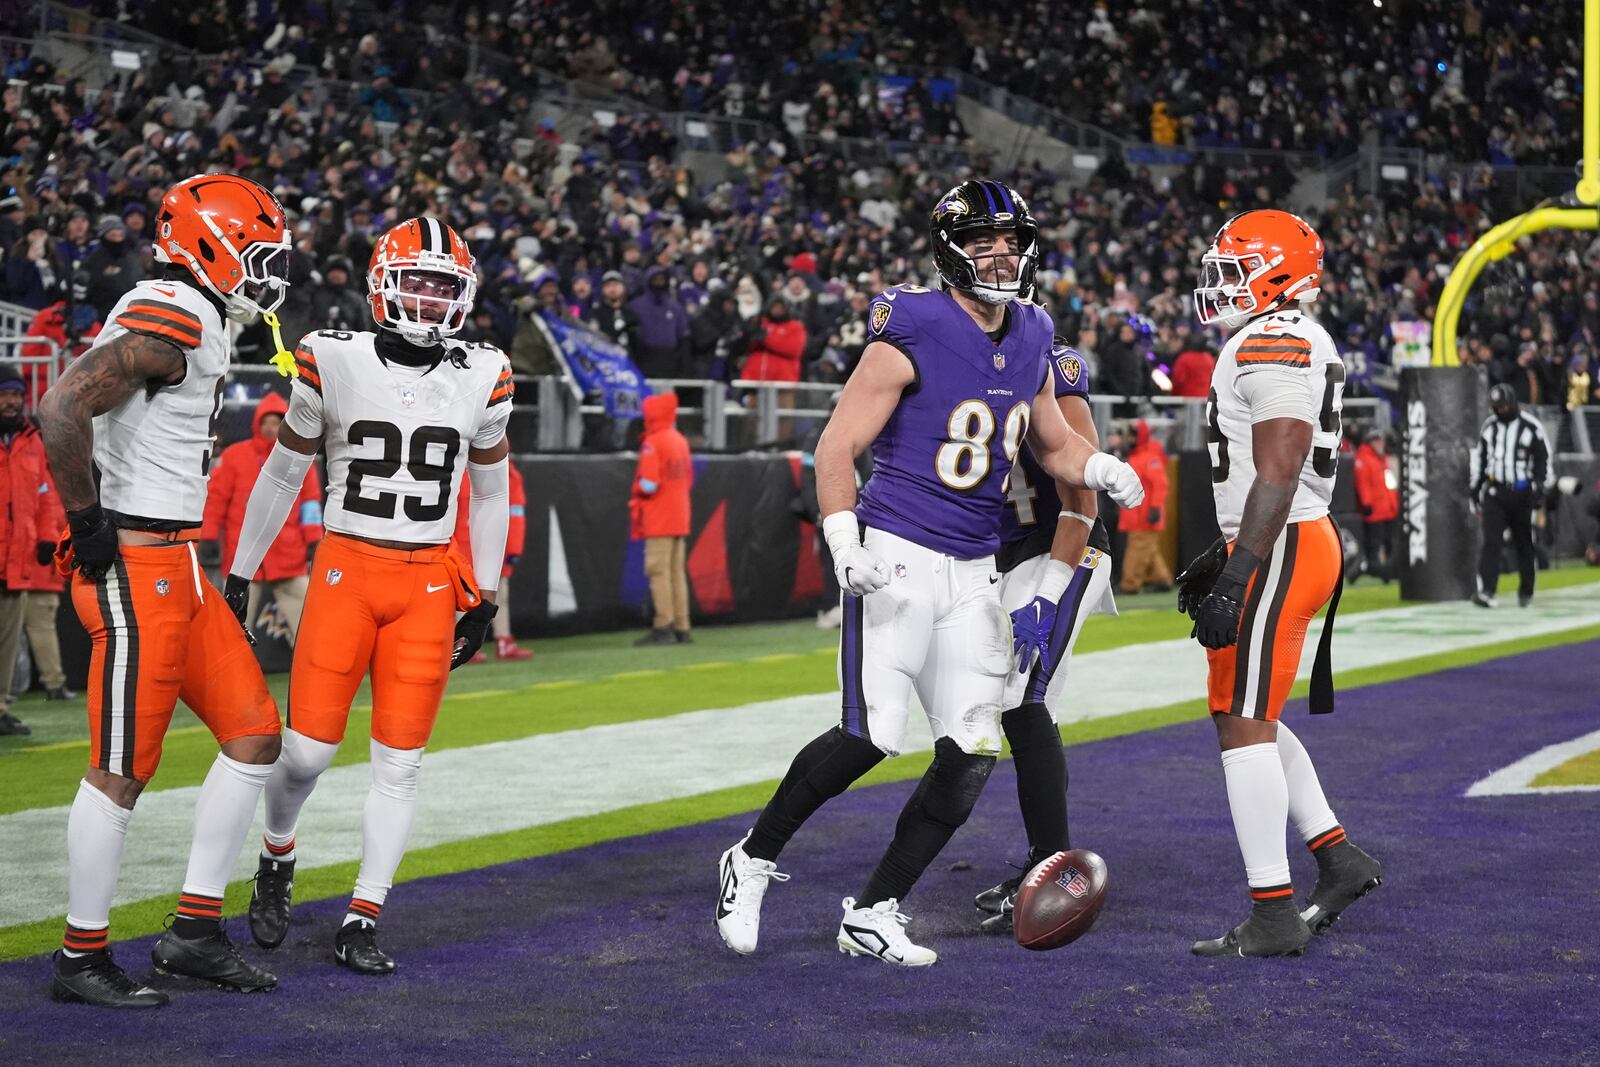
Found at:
<point>1379,496</point>
<point>505,646</point>
<point>53,322</point>
<point>776,349</point>
<point>44,585</point>
<point>23,542</point>
<point>1144,563</point>
<point>1191,373</point>
<point>284,570</point>
<point>659,512</point>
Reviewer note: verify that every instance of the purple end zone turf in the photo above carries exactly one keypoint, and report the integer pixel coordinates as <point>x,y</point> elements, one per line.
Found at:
<point>1480,947</point>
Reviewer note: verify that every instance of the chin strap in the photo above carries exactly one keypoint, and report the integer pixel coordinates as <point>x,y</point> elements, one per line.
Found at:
<point>282,358</point>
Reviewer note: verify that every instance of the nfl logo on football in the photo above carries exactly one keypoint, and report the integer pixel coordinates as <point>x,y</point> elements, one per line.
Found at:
<point>1073,881</point>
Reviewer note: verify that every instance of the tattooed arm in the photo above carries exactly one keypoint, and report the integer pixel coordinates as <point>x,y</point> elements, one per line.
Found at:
<point>96,382</point>
<point>93,384</point>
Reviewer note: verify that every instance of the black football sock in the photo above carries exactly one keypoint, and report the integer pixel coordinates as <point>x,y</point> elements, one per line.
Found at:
<point>198,916</point>
<point>824,768</point>
<point>1041,766</point>
<point>937,808</point>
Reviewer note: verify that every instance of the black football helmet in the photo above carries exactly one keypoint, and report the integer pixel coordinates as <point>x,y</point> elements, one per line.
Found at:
<point>981,204</point>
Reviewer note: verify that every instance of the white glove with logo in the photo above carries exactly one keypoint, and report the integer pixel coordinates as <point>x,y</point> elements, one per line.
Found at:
<point>858,570</point>
<point>1105,471</point>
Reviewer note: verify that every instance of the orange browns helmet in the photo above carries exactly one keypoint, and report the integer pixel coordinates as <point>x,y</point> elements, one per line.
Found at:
<point>231,235</point>
<point>1258,262</point>
<point>425,262</point>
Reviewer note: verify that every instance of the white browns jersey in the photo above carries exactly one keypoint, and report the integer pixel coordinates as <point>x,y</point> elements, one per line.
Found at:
<point>1282,365</point>
<point>396,437</point>
<point>154,449</point>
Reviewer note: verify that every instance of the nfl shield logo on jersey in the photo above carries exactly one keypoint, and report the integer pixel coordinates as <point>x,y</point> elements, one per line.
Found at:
<point>1073,881</point>
<point>163,587</point>
<point>899,570</point>
<point>334,576</point>
<point>408,396</point>
<point>999,361</point>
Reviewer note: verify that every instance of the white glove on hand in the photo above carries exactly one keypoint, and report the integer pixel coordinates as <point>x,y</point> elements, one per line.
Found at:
<point>857,569</point>
<point>1105,471</point>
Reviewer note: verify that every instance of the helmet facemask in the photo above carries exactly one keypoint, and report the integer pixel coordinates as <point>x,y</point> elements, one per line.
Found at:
<point>425,301</point>
<point>970,267</point>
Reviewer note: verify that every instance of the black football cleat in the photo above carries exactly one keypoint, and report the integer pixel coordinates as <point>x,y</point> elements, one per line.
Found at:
<point>95,979</point>
<point>999,899</point>
<point>270,901</point>
<point>1345,874</point>
<point>1273,929</point>
<point>212,958</point>
<point>1000,921</point>
<point>357,948</point>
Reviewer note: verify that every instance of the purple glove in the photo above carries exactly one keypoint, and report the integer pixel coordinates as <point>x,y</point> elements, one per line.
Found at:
<point>1031,625</point>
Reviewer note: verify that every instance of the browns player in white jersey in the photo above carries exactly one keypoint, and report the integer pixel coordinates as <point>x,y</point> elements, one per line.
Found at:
<point>400,411</point>
<point>142,402</point>
<point>1274,413</point>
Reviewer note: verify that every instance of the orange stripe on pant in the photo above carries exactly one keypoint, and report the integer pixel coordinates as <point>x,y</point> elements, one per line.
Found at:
<point>1253,678</point>
<point>383,610</point>
<point>156,639</point>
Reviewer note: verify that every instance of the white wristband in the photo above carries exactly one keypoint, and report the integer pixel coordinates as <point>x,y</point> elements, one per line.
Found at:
<point>1054,581</point>
<point>1086,520</point>
<point>841,529</point>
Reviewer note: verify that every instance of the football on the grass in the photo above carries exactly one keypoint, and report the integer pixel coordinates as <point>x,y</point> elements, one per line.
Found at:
<point>1059,899</point>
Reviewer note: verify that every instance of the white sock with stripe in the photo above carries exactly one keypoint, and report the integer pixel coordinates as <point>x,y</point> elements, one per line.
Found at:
<point>222,815</point>
<point>1258,796</point>
<point>294,776</point>
<point>1308,807</point>
<point>386,822</point>
<point>97,828</point>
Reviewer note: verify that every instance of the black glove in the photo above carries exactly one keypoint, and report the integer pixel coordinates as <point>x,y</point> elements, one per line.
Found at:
<point>44,552</point>
<point>236,591</point>
<point>471,629</point>
<point>1154,516</point>
<point>1199,576</point>
<point>1216,622</point>
<point>94,542</point>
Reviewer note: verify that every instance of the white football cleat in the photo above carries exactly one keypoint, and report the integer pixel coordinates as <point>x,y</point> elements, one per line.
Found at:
<point>744,882</point>
<point>877,931</point>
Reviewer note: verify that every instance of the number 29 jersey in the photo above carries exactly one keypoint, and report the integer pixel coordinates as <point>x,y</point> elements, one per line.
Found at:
<point>397,436</point>
<point>1282,365</point>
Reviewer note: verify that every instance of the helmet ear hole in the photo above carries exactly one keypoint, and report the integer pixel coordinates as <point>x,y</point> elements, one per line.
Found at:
<point>206,251</point>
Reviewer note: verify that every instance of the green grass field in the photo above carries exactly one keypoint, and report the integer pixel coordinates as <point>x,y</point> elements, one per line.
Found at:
<point>576,682</point>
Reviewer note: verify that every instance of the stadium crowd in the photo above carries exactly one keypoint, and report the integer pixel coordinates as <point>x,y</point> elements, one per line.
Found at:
<point>768,271</point>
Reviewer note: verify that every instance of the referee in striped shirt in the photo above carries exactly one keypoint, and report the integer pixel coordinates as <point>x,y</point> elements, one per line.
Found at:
<point>1511,472</point>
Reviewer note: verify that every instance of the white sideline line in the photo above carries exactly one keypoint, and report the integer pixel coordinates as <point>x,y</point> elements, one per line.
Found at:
<point>511,785</point>
<point>1518,778</point>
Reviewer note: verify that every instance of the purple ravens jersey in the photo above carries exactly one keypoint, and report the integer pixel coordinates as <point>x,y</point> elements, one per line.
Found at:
<point>939,466</point>
<point>1032,502</point>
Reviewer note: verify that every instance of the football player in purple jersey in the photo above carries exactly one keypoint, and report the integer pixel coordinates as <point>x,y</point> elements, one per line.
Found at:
<point>952,382</point>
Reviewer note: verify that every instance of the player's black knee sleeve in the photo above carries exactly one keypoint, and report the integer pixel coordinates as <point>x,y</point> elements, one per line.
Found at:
<point>938,807</point>
<point>1041,766</point>
<point>823,769</point>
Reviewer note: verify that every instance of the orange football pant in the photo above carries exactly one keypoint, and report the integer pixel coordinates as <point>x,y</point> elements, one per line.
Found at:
<point>1282,598</point>
<point>161,633</point>
<point>384,611</point>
